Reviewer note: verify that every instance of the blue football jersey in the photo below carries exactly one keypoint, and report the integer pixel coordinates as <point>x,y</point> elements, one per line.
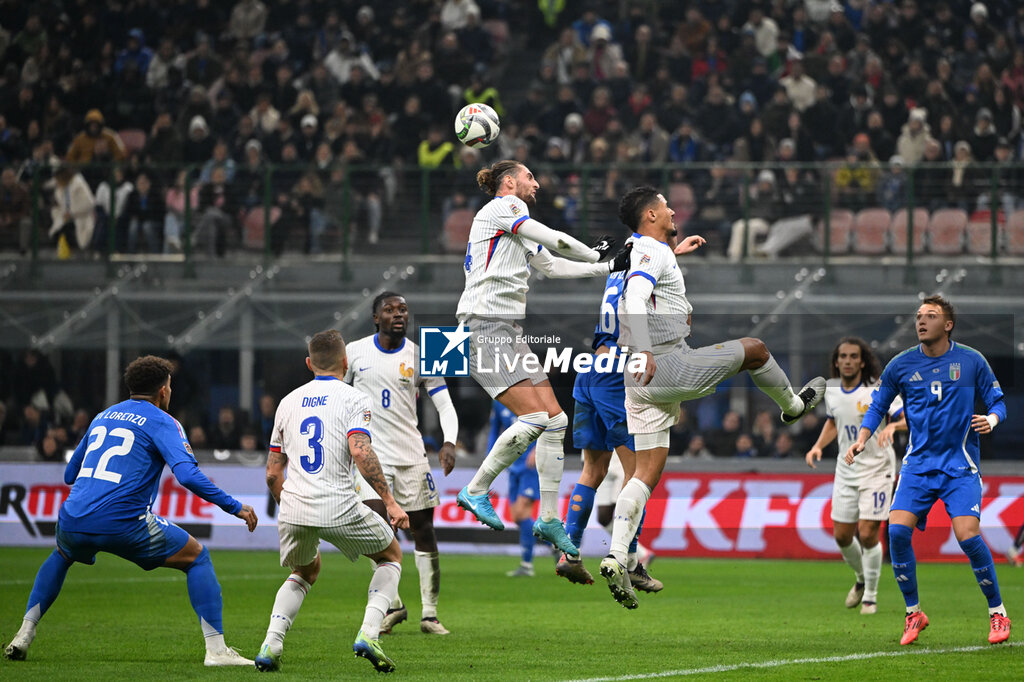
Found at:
<point>607,331</point>
<point>115,470</point>
<point>939,396</point>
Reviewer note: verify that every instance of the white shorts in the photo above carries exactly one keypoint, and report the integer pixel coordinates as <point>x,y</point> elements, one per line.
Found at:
<point>412,486</point>
<point>500,343</point>
<point>608,492</point>
<point>682,374</point>
<point>366,533</point>
<point>868,500</point>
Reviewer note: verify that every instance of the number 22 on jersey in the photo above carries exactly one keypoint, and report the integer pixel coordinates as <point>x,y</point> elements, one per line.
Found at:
<point>98,469</point>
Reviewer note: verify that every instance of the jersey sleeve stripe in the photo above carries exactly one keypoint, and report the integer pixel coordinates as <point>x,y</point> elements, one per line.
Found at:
<point>275,448</point>
<point>351,431</point>
<point>491,248</point>
<point>436,389</point>
<point>645,275</point>
<point>516,224</point>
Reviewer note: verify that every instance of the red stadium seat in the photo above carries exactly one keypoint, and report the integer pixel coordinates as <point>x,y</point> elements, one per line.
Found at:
<point>252,227</point>
<point>1015,233</point>
<point>946,231</point>
<point>841,224</point>
<point>456,230</point>
<point>133,138</point>
<point>871,231</point>
<point>898,230</point>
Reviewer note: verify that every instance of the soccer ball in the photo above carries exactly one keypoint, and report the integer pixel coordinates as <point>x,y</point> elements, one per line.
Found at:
<point>477,125</point>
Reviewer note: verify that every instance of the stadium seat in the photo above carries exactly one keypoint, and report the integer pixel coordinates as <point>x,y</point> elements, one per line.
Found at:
<point>841,224</point>
<point>946,231</point>
<point>455,235</point>
<point>1015,233</point>
<point>898,230</point>
<point>682,200</point>
<point>252,227</point>
<point>133,138</point>
<point>871,231</point>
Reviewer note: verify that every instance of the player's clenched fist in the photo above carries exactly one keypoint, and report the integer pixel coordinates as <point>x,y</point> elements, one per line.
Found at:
<point>399,519</point>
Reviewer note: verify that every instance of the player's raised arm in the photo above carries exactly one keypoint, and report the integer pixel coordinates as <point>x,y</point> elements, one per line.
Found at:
<point>560,242</point>
<point>449,418</point>
<point>369,466</point>
<point>827,435</point>
<point>639,288</point>
<point>560,268</point>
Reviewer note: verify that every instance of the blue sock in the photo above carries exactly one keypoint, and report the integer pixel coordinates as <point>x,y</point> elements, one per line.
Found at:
<point>581,503</point>
<point>636,538</point>
<point>46,588</point>
<point>984,568</point>
<point>204,593</point>
<point>526,540</point>
<point>904,565</point>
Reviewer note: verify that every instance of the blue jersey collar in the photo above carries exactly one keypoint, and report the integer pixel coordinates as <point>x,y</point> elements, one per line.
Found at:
<point>324,377</point>
<point>381,348</point>
<point>859,384</point>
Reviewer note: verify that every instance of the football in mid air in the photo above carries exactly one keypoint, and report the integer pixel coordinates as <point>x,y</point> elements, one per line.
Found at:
<point>477,125</point>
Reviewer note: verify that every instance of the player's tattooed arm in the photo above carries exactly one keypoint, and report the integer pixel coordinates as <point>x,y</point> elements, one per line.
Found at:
<point>369,466</point>
<point>276,463</point>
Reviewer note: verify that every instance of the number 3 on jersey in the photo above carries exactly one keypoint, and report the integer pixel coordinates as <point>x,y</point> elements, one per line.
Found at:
<point>314,428</point>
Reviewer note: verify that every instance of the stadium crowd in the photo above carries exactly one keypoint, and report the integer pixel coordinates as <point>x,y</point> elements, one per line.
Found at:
<point>104,103</point>
<point>124,117</point>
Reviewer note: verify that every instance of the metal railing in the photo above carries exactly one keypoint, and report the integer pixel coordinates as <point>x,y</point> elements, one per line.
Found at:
<point>817,212</point>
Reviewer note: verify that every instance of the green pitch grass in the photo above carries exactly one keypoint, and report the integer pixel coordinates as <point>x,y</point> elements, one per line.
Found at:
<point>113,621</point>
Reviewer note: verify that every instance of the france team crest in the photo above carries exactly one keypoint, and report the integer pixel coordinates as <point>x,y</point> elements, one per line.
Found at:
<point>954,371</point>
<point>444,351</point>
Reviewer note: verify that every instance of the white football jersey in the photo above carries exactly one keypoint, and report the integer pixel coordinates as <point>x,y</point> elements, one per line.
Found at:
<point>667,308</point>
<point>391,380</point>
<point>847,408</point>
<point>311,427</point>
<point>497,264</point>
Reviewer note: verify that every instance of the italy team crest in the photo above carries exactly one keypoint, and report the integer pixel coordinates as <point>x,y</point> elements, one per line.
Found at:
<point>954,371</point>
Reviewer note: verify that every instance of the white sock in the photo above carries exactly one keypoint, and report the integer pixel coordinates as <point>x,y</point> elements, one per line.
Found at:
<point>396,603</point>
<point>628,510</point>
<point>506,449</point>
<point>872,561</point>
<point>428,565</point>
<point>916,608</point>
<point>550,463</point>
<point>27,629</point>
<point>774,383</point>
<point>383,588</point>
<point>631,561</point>
<point>853,556</point>
<point>286,608</point>
<point>215,642</point>
<point>997,609</point>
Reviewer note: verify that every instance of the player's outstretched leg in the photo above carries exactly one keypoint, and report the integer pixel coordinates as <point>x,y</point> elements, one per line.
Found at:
<point>773,382</point>
<point>45,590</point>
<point>904,567</point>
<point>639,578</point>
<point>513,442</point>
<point>286,607</point>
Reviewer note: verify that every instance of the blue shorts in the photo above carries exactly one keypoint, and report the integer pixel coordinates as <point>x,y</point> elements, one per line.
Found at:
<point>148,545</point>
<point>916,493</point>
<point>523,482</point>
<point>599,418</point>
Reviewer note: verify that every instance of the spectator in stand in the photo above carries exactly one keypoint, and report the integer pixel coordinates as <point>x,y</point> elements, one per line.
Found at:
<point>33,380</point>
<point>892,188</point>
<point>248,19</point>
<point>857,179</point>
<point>73,216</point>
<point>650,140</point>
<point>199,144</point>
<point>914,137</point>
<point>983,138</point>
<point>883,145</point>
<point>716,121</point>
<point>165,59</point>
<point>930,178</point>
<point>15,212</point>
<point>599,113</point>
<point>966,181</point>
<point>83,146</point>
<point>143,214</point>
<point>776,114</point>
<point>603,55</point>
<point>744,446</point>
<point>765,206</point>
<point>174,218</point>
<point>1006,115</point>
<point>216,213</point>
<point>455,13</point>
<point>799,86</point>
<point>219,158</point>
<point>203,67</point>
<point>1010,181</point>
<point>766,31</point>
<point>163,146</point>
<point>696,449</point>
<point>722,441</point>
<point>821,119</point>
<point>784,447</point>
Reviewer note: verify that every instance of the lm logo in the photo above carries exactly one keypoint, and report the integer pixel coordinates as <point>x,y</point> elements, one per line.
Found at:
<point>444,351</point>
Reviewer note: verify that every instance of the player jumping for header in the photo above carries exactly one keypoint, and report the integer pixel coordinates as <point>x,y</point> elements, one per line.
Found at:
<point>504,244</point>
<point>655,319</point>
